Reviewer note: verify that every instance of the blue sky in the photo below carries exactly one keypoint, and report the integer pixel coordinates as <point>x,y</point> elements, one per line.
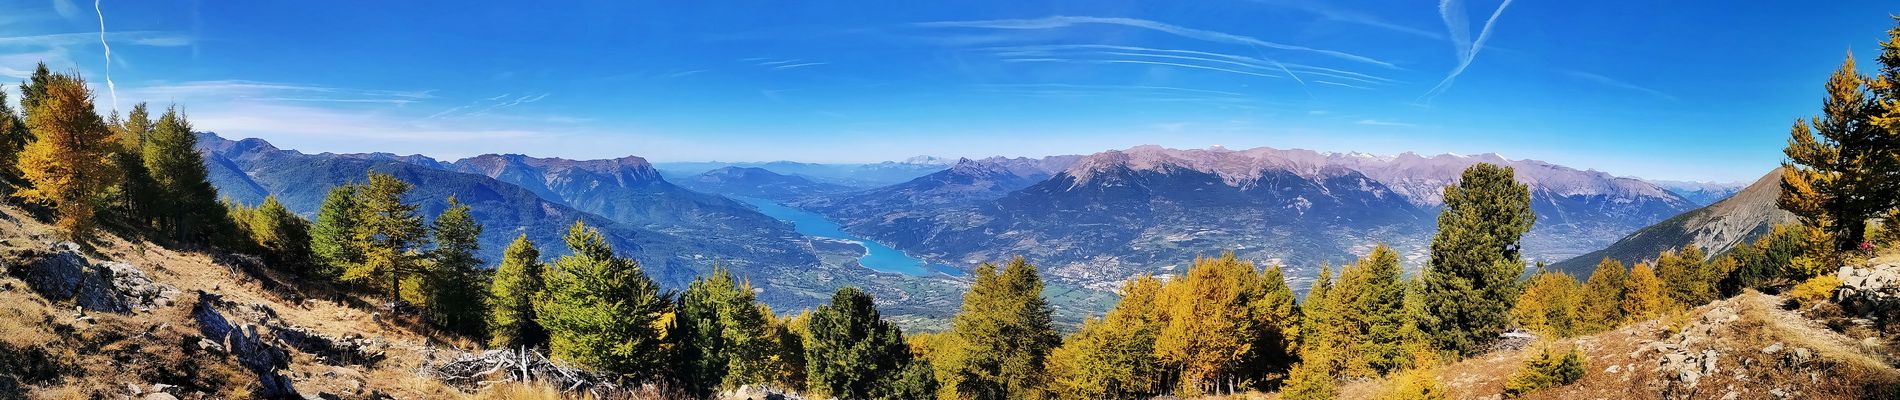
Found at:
<point>1692,90</point>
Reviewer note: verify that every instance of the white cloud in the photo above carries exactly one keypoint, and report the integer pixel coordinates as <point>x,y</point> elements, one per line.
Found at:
<point>1453,12</point>
<point>1615,83</point>
<point>1058,22</point>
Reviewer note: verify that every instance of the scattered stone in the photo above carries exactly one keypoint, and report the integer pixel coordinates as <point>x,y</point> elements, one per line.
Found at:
<point>65,273</point>
<point>1773,348</point>
<point>1778,393</point>
<point>1613,369</point>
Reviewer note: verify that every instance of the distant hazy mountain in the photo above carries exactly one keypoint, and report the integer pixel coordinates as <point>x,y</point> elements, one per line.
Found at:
<point>1703,193</point>
<point>759,183</point>
<point>1114,214</point>
<point>859,175</point>
<point>966,183</point>
<point>1715,228</point>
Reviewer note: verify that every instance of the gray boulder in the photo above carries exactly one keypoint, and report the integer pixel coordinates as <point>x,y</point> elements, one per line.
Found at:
<point>65,273</point>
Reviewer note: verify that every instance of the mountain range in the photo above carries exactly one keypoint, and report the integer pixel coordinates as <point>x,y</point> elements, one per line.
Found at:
<point>1704,193</point>
<point>1090,221</point>
<point>674,232</point>
<point>1716,228</point>
<point>1101,218</point>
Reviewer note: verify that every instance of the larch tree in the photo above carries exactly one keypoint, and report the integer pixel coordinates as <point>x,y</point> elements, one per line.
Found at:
<point>1215,326</point>
<point>601,310</point>
<point>1006,330</point>
<point>68,165</point>
<point>1689,278</point>
<point>1643,296</point>
<point>520,278</point>
<point>1113,356</point>
<point>333,236</point>
<point>457,285</point>
<point>851,352</point>
<point>1368,303</point>
<point>133,198</point>
<point>282,236</point>
<point>1549,304</point>
<point>1600,306</point>
<point>726,341</point>
<point>1842,168</point>
<point>388,237</point>
<point>1472,279</point>
<point>191,212</point>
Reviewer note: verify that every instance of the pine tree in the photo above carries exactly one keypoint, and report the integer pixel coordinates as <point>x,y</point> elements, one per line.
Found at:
<point>1842,169</point>
<point>1112,357</point>
<point>389,236</point>
<point>511,319</point>
<point>1369,304</point>
<point>1319,327</point>
<point>190,212</point>
<point>788,350</point>
<point>457,300</point>
<point>601,310</point>
<point>1549,305</point>
<point>1471,282</point>
<point>34,89</point>
<point>1006,328</point>
<point>13,137</point>
<point>1600,306</point>
<point>851,352</point>
<point>69,163</point>
<point>1643,296</point>
<point>1310,380</point>
<point>333,236</point>
<point>727,342</point>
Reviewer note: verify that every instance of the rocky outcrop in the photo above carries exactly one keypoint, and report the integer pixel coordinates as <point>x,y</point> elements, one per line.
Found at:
<point>1872,291</point>
<point>63,272</point>
<point>234,328</point>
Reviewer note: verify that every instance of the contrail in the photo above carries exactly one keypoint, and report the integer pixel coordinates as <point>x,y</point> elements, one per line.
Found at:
<point>1467,52</point>
<point>102,42</point>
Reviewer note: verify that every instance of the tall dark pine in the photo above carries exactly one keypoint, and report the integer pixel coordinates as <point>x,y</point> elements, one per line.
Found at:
<point>1471,283</point>
<point>456,282</point>
<point>852,352</point>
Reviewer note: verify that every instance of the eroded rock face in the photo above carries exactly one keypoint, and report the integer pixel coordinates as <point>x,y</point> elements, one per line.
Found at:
<point>1872,291</point>
<point>64,273</point>
<point>235,327</point>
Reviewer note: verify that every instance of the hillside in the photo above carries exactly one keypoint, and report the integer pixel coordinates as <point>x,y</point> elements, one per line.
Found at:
<point>1716,228</point>
<point>1703,193</point>
<point>1746,347</point>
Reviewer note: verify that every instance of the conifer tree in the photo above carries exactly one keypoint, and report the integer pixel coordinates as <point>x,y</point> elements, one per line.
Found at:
<point>34,89</point>
<point>137,192</point>
<point>283,237</point>
<point>1689,279</point>
<point>1643,296</point>
<point>726,339</point>
<point>520,278</point>
<point>1368,303</point>
<point>190,212</point>
<point>1549,305</point>
<point>1842,168</point>
<point>389,236</point>
<point>601,310</point>
<point>851,352</point>
<point>1311,379</point>
<point>69,163</point>
<point>13,137</point>
<point>1112,357</point>
<point>1319,326</point>
<point>788,349</point>
<point>1471,281</point>
<point>333,236</point>
<point>1006,330</point>
<point>457,283</point>
<point>1217,326</point>
<point>1600,306</point>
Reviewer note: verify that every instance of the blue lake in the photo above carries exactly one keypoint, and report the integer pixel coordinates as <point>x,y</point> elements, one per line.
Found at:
<point>877,256</point>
